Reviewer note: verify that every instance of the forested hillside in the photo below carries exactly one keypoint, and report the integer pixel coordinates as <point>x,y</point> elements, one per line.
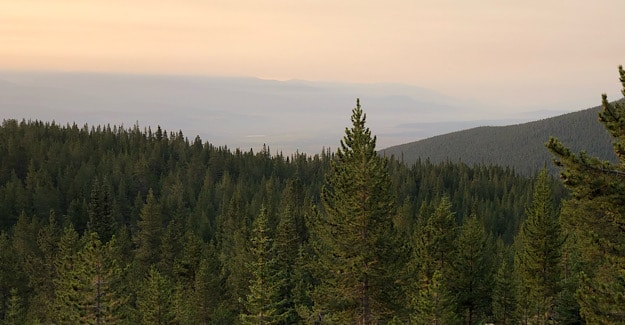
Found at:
<point>133,226</point>
<point>171,223</point>
<point>521,146</point>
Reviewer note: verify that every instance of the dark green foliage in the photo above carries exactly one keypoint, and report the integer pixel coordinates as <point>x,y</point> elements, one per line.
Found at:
<point>150,233</point>
<point>595,215</point>
<point>65,308</point>
<point>100,210</point>
<point>435,239</point>
<point>431,298</point>
<point>155,299</point>
<point>471,275</point>
<point>87,284</point>
<point>15,313</point>
<point>263,302</point>
<point>289,238</point>
<point>41,268</point>
<point>498,195</point>
<point>11,277</point>
<point>207,291</point>
<point>567,307</point>
<point>434,303</point>
<point>538,254</point>
<point>100,276</point>
<point>358,247</point>
<point>503,298</point>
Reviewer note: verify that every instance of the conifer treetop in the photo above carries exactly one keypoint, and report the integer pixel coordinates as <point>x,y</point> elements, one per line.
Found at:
<point>358,138</point>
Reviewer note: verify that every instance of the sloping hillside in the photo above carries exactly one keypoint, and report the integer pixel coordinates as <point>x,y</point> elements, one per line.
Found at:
<point>519,146</point>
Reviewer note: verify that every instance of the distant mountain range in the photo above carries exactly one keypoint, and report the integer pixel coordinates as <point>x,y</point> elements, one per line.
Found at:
<point>520,146</point>
<point>297,115</point>
<point>288,116</point>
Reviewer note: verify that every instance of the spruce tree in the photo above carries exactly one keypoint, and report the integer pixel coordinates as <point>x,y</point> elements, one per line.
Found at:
<point>538,255</point>
<point>430,267</point>
<point>357,250</point>
<point>41,269</point>
<point>471,272</point>
<point>286,248</point>
<point>207,289</point>
<point>66,304</point>
<point>87,286</point>
<point>567,307</point>
<point>596,215</point>
<point>149,237</point>
<point>15,313</point>
<point>503,297</point>
<point>434,303</point>
<point>263,302</point>
<point>435,238</point>
<point>100,209</point>
<point>232,243</point>
<point>155,299</point>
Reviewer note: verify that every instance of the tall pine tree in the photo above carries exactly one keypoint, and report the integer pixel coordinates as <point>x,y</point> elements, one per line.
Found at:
<point>539,252</point>
<point>357,250</point>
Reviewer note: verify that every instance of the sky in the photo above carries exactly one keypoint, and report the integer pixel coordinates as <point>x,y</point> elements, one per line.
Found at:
<point>509,54</point>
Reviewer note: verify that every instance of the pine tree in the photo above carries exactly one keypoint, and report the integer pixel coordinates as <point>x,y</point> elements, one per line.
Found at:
<point>11,274</point>
<point>434,304</point>
<point>66,305</point>
<point>357,247</point>
<point>503,298</point>
<point>100,209</point>
<point>42,271</point>
<point>149,237</point>
<point>435,239</point>
<point>433,250</point>
<point>182,307</point>
<point>471,271</point>
<point>15,313</point>
<point>101,275</point>
<point>207,290</point>
<point>596,215</point>
<point>286,244</point>
<point>567,307</point>
<point>263,302</point>
<point>232,243</point>
<point>88,285</point>
<point>538,255</point>
<point>170,248</point>
<point>155,299</point>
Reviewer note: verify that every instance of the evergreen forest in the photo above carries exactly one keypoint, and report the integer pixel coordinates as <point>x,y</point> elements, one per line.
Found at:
<point>519,146</point>
<point>115,225</point>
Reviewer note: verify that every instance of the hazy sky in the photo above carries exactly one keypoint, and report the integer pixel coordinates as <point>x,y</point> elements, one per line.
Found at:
<point>523,53</point>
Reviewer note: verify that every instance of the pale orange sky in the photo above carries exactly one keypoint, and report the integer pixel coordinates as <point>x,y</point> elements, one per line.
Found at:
<point>526,52</point>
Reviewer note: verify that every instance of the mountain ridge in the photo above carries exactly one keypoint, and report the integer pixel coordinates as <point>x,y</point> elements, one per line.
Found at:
<point>519,146</point>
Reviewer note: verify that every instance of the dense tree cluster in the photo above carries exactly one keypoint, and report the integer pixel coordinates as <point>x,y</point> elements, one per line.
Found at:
<point>115,225</point>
